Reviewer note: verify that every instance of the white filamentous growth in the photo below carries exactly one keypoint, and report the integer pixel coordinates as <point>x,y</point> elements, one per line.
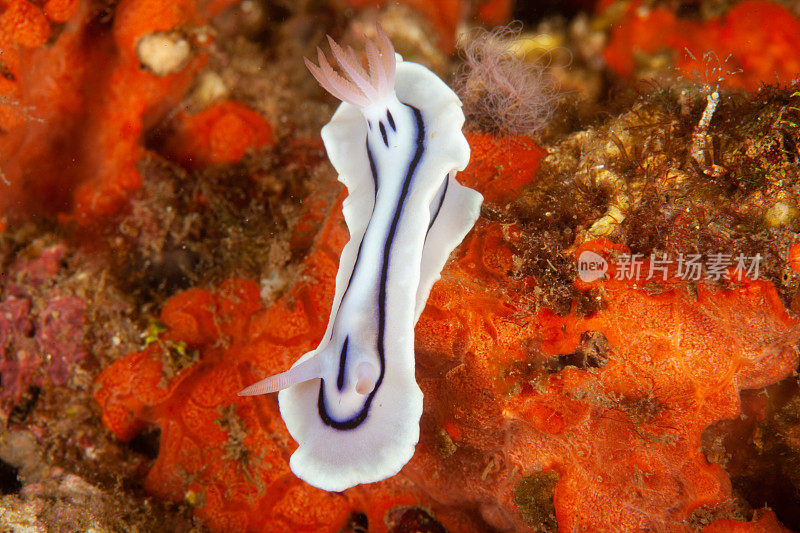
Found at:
<point>502,92</point>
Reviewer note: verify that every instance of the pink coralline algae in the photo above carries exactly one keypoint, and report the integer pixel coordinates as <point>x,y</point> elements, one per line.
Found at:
<point>41,330</point>
<point>17,347</point>
<point>59,329</point>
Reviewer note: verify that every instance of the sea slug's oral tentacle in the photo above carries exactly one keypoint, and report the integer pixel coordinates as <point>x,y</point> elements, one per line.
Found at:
<point>305,371</point>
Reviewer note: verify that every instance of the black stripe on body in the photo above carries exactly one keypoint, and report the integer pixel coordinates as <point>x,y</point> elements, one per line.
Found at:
<point>342,360</point>
<point>383,134</point>
<point>343,354</point>
<point>438,207</point>
<point>374,199</point>
<point>359,418</point>
<point>374,176</point>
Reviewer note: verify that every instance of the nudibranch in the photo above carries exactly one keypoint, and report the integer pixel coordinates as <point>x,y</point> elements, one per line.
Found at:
<point>353,404</point>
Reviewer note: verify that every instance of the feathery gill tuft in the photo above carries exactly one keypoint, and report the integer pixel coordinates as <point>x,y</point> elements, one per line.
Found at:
<point>358,87</point>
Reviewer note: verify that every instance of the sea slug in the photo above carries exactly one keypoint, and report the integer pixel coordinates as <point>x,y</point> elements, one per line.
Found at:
<point>353,404</point>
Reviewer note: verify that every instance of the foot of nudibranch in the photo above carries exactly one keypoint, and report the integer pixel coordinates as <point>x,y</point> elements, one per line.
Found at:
<point>307,370</point>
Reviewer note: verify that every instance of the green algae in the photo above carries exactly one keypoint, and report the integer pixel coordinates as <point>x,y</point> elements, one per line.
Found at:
<point>533,494</point>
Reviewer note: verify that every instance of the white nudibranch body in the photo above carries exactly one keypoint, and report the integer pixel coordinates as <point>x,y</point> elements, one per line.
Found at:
<point>353,404</point>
